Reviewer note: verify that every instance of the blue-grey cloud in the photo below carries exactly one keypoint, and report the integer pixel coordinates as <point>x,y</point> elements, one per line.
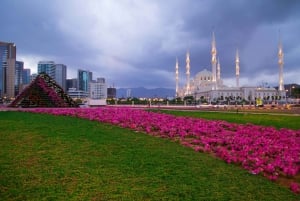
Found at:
<point>135,42</point>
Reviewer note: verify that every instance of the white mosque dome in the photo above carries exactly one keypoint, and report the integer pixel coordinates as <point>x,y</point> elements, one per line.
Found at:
<point>203,75</point>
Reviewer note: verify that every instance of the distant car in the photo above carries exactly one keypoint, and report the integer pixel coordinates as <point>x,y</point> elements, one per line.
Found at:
<point>220,105</point>
<point>204,105</point>
<point>82,105</point>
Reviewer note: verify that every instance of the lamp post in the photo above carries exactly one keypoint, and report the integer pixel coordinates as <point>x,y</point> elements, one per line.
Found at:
<point>291,90</point>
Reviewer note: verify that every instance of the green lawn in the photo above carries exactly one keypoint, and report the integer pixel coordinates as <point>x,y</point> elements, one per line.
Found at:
<point>276,120</point>
<point>46,157</point>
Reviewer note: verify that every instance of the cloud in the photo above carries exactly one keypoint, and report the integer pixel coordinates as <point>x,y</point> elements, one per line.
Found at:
<point>113,28</point>
<point>136,42</point>
<point>31,61</point>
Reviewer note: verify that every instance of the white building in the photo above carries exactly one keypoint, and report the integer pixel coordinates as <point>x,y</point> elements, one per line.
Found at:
<point>208,86</point>
<point>98,93</point>
<point>77,94</point>
<point>98,90</point>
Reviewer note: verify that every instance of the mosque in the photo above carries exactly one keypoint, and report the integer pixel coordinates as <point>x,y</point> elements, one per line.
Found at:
<point>208,86</point>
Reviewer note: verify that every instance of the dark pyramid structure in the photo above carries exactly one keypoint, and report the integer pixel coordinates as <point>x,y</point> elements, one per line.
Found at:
<point>43,92</point>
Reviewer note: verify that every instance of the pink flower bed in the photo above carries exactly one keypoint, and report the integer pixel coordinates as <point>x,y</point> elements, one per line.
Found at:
<point>52,93</point>
<point>258,149</point>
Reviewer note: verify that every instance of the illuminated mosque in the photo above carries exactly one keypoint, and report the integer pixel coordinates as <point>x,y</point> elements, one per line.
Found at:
<point>208,85</point>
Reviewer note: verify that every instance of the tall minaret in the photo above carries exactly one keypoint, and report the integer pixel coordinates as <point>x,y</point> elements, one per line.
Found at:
<point>218,73</point>
<point>237,68</point>
<point>280,62</point>
<point>214,60</point>
<point>188,73</point>
<point>176,77</point>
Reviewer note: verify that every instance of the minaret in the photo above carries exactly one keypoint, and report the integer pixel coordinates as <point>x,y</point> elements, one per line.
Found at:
<point>280,62</point>
<point>214,60</point>
<point>188,73</point>
<point>237,68</point>
<point>176,77</point>
<point>218,73</point>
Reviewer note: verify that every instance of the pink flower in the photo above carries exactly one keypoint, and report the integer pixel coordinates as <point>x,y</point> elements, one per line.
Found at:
<point>295,187</point>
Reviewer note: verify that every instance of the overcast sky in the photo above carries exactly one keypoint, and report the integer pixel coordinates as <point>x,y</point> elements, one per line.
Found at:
<point>135,43</point>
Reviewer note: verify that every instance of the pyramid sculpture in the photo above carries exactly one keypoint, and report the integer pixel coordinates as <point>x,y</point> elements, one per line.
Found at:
<point>43,91</point>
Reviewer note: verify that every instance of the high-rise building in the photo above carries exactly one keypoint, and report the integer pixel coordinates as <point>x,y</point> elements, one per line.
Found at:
<point>33,76</point>
<point>19,66</point>
<point>26,75</point>
<point>72,83</point>
<point>84,78</point>
<point>61,75</point>
<point>58,72</point>
<point>98,89</point>
<point>47,67</point>
<point>111,92</point>
<point>128,93</point>
<point>101,79</point>
<point>8,53</point>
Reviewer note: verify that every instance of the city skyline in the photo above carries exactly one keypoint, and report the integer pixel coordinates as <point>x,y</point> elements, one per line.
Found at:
<point>135,43</point>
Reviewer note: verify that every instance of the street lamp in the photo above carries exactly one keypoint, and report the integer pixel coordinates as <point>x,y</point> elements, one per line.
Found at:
<point>291,90</point>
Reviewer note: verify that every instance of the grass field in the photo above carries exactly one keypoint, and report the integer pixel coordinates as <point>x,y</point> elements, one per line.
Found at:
<point>277,120</point>
<point>47,157</point>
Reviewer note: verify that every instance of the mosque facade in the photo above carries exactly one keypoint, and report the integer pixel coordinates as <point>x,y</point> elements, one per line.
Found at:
<point>208,86</point>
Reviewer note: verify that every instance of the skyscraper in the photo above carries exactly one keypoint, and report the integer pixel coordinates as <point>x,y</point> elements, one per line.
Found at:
<point>98,89</point>
<point>84,78</point>
<point>8,53</point>
<point>18,76</point>
<point>47,67</point>
<point>26,76</point>
<point>72,83</point>
<point>111,92</point>
<point>61,75</point>
<point>33,76</point>
<point>58,72</point>
<point>101,79</point>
